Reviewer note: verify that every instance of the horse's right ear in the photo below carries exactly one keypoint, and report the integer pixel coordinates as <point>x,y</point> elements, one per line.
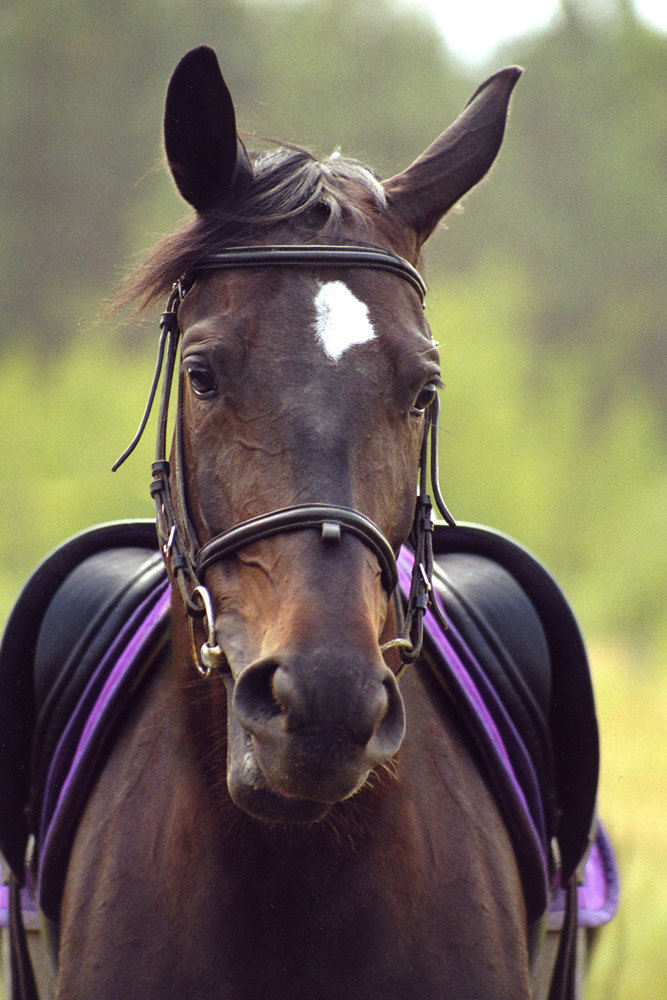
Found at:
<point>205,155</point>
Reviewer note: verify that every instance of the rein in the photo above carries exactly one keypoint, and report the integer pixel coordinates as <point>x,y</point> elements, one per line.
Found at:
<point>187,559</point>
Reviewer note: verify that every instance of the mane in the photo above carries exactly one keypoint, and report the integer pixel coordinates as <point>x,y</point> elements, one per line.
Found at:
<point>289,184</point>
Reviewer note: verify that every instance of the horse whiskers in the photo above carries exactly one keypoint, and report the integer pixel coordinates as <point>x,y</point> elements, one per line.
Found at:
<point>343,837</point>
<point>350,821</point>
<point>390,767</point>
<point>347,823</point>
<point>375,777</point>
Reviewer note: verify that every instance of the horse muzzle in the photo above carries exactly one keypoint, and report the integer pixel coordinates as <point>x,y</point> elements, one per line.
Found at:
<point>305,729</point>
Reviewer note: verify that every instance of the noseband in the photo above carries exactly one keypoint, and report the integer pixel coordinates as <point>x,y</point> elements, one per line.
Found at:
<point>187,559</point>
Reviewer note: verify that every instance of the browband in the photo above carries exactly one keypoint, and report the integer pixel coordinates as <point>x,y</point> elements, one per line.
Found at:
<point>314,255</point>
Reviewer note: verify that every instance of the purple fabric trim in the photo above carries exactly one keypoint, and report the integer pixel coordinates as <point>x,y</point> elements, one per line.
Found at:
<point>81,742</point>
<point>599,895</point>
<point>31,920</point>
<point>512,748</point>
<point>504,749</point>
<point>512,769</point>
<point>79,721</point>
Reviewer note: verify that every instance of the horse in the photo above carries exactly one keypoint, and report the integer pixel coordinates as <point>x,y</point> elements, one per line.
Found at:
<point>291,805</point>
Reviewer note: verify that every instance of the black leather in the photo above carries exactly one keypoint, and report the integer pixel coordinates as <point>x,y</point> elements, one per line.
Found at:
<point>503,630</point>
<point>315,255</point>
<point>519,624</point>
<point>298,518</point>
<point>18,705</point>
<point>84,617</point>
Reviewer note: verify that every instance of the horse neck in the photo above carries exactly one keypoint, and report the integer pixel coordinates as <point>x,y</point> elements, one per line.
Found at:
<point>329,910</point>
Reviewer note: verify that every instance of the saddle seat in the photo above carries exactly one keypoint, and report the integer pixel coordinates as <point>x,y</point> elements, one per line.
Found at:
<point>93,617</point>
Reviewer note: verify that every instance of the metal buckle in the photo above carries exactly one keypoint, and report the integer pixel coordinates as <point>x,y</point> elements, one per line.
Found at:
<point>211,655</point>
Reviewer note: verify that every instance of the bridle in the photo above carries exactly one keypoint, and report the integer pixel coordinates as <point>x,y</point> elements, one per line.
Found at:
<point>187,559</point>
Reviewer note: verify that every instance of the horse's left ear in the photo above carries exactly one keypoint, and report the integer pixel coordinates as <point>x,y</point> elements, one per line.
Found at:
<point>456,161</point>
<point>206,156</point>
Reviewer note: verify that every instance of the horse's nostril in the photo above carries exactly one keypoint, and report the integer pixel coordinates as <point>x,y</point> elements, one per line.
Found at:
<point>390,728</point>
<point>286,698</point>
<point>255,697</point>
<point>279,689</point>
<point>274,699</point>
<point>372,715</point>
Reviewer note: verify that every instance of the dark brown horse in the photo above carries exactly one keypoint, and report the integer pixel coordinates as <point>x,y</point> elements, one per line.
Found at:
<point>278,818</point>
<point>294,825</point>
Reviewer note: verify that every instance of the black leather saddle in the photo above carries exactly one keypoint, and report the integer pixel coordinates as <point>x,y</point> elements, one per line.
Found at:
<point>516,620</point>
<point>507,606</point>
<point>62,623</point>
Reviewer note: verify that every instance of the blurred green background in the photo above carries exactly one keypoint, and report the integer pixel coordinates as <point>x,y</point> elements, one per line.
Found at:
<point>545,296</point>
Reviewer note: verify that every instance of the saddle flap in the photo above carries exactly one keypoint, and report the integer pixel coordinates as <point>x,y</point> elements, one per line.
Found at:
<point>20,699</point>
<point>516,619</point>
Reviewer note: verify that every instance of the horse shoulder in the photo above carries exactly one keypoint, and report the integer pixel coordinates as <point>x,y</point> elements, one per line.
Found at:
<point>128,876</point>
<point>469,867</point>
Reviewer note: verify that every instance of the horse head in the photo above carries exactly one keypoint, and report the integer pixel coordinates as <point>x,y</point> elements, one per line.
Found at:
<point>305,381</point>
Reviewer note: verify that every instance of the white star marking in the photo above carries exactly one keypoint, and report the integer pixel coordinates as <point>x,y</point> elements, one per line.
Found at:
<point>342,319</point>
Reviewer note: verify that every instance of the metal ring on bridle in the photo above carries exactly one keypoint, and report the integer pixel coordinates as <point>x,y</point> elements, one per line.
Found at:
<point>210,654</point>
<point>399,643</point>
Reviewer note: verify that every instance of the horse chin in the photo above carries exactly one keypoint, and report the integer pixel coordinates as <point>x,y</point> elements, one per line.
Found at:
<point>259,796</point>
<point>250,791</point>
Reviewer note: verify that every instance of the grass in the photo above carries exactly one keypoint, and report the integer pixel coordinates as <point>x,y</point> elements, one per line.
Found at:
<point>631,959</point>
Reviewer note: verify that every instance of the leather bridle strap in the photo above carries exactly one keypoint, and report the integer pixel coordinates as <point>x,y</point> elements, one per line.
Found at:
<point>316,255</point>
<point>328,519</point>
<point>187,559</point>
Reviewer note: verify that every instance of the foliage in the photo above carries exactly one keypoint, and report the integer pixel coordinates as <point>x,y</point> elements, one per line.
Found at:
<point>67,419</point>
<point>520,449</point>
<point>579,200</point>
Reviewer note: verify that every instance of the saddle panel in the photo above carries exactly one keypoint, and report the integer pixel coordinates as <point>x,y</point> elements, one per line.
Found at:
<point>501,625</point>
<point>34,630</point>
<point>83,619</point>
<point>517,621</point>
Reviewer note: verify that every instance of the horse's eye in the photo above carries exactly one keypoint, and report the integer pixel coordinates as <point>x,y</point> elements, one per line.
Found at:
<point>424,398</point>
<point>201,379</point>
